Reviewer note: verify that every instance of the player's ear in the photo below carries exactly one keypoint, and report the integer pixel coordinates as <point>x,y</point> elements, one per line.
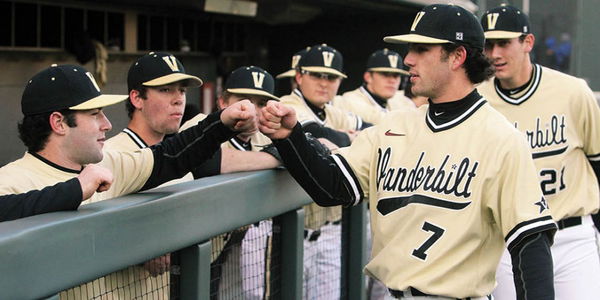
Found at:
<point>58,123</point>
<point>367,77</point>
<point>136,99</point>
<point>529,42</point>
<point>221,103</point>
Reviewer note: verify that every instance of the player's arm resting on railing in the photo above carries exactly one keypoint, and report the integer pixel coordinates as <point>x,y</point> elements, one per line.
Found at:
<point>182,152</point>
<point>532,267</point>
<point>308,162</point>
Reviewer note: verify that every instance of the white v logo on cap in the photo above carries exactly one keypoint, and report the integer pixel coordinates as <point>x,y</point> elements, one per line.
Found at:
<point>91,77</point>
<point>171,62</point>
<point>417,20</point>
<point>258,79</point>
<point>327,58</point>
<point>295,60</point>
<point>393,59</point>
<point>492,20</point>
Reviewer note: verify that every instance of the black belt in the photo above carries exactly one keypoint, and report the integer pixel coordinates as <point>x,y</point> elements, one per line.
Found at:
<point>569,222</point>
<point>313,236</point>
<point>399,294</point>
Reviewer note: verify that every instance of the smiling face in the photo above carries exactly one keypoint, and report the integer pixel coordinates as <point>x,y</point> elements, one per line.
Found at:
<point>510,58</point>
<point>85,141</point>
<point>430,71</point>
<point>163,108</point>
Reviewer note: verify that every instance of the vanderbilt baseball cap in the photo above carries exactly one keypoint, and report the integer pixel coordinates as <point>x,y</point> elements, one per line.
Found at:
<point>251,80</point>
<point>441,24</point>
<point>64,87</point>
<point>504,22</point>
<point>323,59</point>
<point>385,61</point>
<point>156,69</point>
<point>295,59</point>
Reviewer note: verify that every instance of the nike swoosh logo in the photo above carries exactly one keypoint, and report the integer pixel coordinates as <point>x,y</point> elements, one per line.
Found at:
<point>390,133</point>
<point>437,113</point>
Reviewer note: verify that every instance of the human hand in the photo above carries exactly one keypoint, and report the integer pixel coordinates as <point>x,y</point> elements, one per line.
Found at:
<point>240,117</point>
<point>277,120</point>
<point>94,178</point>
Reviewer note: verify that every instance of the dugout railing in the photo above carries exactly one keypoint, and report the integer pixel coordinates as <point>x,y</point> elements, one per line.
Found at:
<point>45,254</point>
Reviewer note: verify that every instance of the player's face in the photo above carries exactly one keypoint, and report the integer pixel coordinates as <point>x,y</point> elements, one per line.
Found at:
<point>163,108</point>
<point>84,142</point>
<point>382,84</point>
<point>318,88</point>
<point>509,56</point>
<point>258,101</point>
<point>429,69</point>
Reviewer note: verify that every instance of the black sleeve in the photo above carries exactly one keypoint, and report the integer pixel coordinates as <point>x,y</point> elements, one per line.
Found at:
<point>365,125</point>
<point>318,173</point>
<point>532,267</point>
<point>341,139</point>
<point>596,167</point>
<point>61,196</point>
<point>211,167</point>
<point>182,152</point>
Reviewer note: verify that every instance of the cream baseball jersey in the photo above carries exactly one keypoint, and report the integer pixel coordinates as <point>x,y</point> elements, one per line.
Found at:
<point>361,103</point>
<point>561,120</point>
<point>130,171</point>
<point>445,197</point>
<point>335,118</point>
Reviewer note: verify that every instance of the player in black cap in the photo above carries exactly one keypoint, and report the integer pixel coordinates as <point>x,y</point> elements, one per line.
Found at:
<point>559,115</point>
<point>379,92</point>
<point>444,203</point>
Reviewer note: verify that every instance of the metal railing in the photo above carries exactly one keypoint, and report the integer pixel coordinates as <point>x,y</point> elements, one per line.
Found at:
<point>45,254</point>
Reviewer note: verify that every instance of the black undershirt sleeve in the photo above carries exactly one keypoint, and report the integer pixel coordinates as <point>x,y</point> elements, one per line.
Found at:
<point>341,139</point>
<point>532,267</point>
<point>211,167</point>
<point>365,125</point>
<point>315,171</point>
<point>596,167</point>
<point>182,152</point>
<point>61,196</point>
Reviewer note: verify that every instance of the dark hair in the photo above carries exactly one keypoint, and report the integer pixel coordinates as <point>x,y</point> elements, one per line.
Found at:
<point>477,65</point>
<point>34,130</point>
<point>143,94</point>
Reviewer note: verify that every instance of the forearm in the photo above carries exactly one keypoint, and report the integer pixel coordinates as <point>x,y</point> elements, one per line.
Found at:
<point>181,153</point>
<point>61,196</point>
<point>238,161</point>
<point>532,268</point>
<point>318,174</point>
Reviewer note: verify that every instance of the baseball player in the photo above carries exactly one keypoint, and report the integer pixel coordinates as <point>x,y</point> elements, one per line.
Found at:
<point>443,201</point>
<point>291,73</point>
<point>560,118</point>
<point>64,130</point>
<point>91,179</point>
<point>379,92</point>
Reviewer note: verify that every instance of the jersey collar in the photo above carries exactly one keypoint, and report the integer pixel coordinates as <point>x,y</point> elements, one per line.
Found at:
<point>444,116</point>
<point>521,94</point>
<point>319,113</point>
<point>381,103</point>
<point>41,158</point>
<point>240,145</point>
<point>136,138</point>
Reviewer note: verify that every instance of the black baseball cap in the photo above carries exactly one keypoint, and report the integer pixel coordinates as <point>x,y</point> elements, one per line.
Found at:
<point>385,61</point>
<point>156,69</point>
<point>504,22</point>
<point>64,87</point>
<point>441,24</point>
<point>251,80</point>
<point>323,59</point>
<point>295,59</point>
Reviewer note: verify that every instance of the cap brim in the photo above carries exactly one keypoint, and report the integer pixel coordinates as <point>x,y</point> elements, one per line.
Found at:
<point>253,92</point>
<point>286,74</point>
<point>325,70</point>
<point>389,70</point>
<point>413,38</point>
<point>174,77</point>
<point>99,102</point>
<point>499,34</point>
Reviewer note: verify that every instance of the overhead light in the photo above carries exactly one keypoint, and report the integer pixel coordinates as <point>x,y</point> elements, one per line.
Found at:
<point>231,7</point>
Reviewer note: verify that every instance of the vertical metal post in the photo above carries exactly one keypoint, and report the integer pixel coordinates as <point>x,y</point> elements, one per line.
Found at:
<point>195,272</point>
<point>354,252</point>
<point>292,254</point>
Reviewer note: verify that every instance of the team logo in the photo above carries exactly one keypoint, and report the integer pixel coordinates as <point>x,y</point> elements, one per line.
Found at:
<point>492,19</point>
<point>459,36</point>
<point>393,59</point>
<point>390,133</point>
<point>551,134</point>
<point>91,77</point>
<point>542,204</point>
<point>171,61</point>
<point>417,20</point>
<point>258,79</point>
<point>295,60</point>
<point>327,58</point>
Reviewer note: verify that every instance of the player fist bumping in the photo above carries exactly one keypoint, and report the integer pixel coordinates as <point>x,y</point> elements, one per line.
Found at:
<point>277,120</point>
<point>240,117</point>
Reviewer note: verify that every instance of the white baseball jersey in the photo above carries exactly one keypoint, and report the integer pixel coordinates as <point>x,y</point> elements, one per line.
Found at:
<point>445,197</point>
<point>561,120</point>
<point>361,103</point>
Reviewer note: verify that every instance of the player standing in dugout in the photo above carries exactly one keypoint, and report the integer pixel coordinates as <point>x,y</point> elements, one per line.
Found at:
<point>559,115</point>
<point>450,185</point>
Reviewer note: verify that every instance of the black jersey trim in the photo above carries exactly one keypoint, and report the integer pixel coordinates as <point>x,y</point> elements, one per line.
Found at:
<point>388,205</point>
<point>136,138</point>
<point>53,164</point>
<point>456,121</point>
<point>524,229</point>
<point>378,102</point>
<point>536,155</point>
<point>350,177</point>
<point>238,144</point>
<point>305,102</point>
<point>537,78</point>
<point>594,157</point>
